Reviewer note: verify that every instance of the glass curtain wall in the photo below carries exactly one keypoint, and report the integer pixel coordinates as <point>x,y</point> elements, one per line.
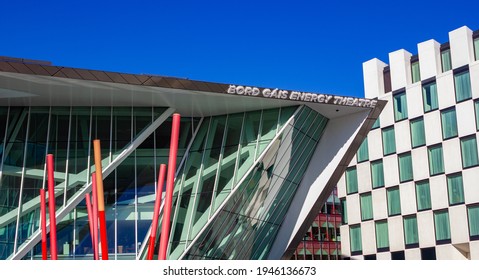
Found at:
<point>246,224</point>
<point>28,134</point>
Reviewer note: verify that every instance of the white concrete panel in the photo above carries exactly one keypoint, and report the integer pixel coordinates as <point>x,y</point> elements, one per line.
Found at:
<point>466,122</point>
<point>448,252</point>
<point>413,254</point>
<point>383,256</point>
<point>396,233</point>
<point>341,186</point>
<point>474,248</point>
<point>368,235</point>
<point>353,161</point>
<point>380,207</point>
<point>439,197</point>
<point>432,128</point>
<point>364,177</point>
<point>414,101</point>
<point>425,224</point>
<point>403,136</point>
<point>459,226</point>
<point>375,144</point>
<point>359,257</point>
<point>391,172</point>
<point>420,164</point>
<point>354,215</point>
<point>462,51</point>
<point>408,198</point>
<point>387,115</point>
<point>470,179</point>
<point>451,150</point>
<point>400,66</point>
<point>474,72</point>
<point>445,90</point>
<point>429,54</point>
<point>373,78</point>
<point>345,245</point>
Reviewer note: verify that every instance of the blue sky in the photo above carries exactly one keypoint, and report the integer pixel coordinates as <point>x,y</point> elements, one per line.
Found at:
<point>316,46</point>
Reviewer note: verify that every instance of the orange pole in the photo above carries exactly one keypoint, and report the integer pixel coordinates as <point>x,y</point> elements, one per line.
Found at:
<point>156,211</point>
<point>51,206</point>
<point>90,218</point>
<point>43,220</point>
<point>165,226</point>
<point>95,216</point>
<point>101,202</point>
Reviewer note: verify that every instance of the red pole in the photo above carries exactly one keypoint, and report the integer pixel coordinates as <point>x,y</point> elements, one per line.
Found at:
<point>156,211</point>
<point>165,226</point>
<point>51,206</point>
<point>101,202</point>
<point>43,220</point>
<point>90,218</point>
<point>95,216</point>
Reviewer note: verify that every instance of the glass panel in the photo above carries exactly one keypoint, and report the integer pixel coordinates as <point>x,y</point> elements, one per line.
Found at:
<point>394,202</point>
<point>377,174</point>
<point>476,48</point>
<point>389,140</point>
<point>449,123</point>
<point>410,231</point>
<point>446,60</point>
<point>362,153</point>
<point>355,237</point>
<point>366,206</point>
<point>376,124</point>
<point>382,235</point>
<point>476,110</point>
<point>441,222</point>
<point>351,180</point>
<point>415,73</point>
<point>473,215</point>
<point>423,195</point>
<point>400,106</point>
<point>405,167</point>
<point>269,122</point>
<point>462,83</point>
<point>469,151</point>
<point>429,97</point>
<point>418,137</point>
<point>344,211</point>
<point>248,143</point>
<point>436,161</point>
<point>455,189</point>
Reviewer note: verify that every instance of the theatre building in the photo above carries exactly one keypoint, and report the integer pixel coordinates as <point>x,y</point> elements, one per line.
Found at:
<point>254,165</point>
<point>411,191</point>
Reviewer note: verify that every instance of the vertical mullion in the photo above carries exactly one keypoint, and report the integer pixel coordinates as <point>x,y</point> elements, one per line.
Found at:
<point>258,136</point>
<point>238,151</point>
<point>68,157</point>
<point>20,194</point>
<point>4,142</point>
<point>110,154</point>
<point>89,147</point>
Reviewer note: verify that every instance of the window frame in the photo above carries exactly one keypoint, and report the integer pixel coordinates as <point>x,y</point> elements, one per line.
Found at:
<point>387,201</point>
<point>429,159</point>
<point>442,241</point>
<point>443,111</point>
<point>415,120</point>
<point>400,93</point>
<point>429,195</point>
<point>399,157</point>
<point>382,173</point>
<point>424,84</point>
<point>457,72</point>
<point>411,245</point>
<point>472,136</point>
<point>456,174</point>
<point>388,129</point>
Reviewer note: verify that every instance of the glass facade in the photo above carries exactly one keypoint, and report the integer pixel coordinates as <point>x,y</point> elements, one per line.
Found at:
<point>363,153</point>
<point>462,84</point>
<point>446,60</point>
<point>429,97</point>
<point>455,189</point>
<point>389,140</point>
<point>394,201</point>
<point>377,174</point>
<point>400,106</point>
<point>415,73</point>
<point>449,123</point>
<point>441,224</point>
<point>418,135</point>
<point>405,167</point>
<point>382,235</point>
<point>411,236</point>
<point>246,224</point>
<point>423,195</point>
<point>366,201</point>
<point>67,133</point>
<point>469,151</point>
<point>473,217</point>
<point>436,160</point>
<point>351,180</point>
<point>355,239</point>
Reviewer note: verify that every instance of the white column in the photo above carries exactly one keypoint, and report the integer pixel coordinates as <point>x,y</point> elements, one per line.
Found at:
<point>462,51</point>
<point>373,78</point>
<point>400,65</point>
<point>429,53</point>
